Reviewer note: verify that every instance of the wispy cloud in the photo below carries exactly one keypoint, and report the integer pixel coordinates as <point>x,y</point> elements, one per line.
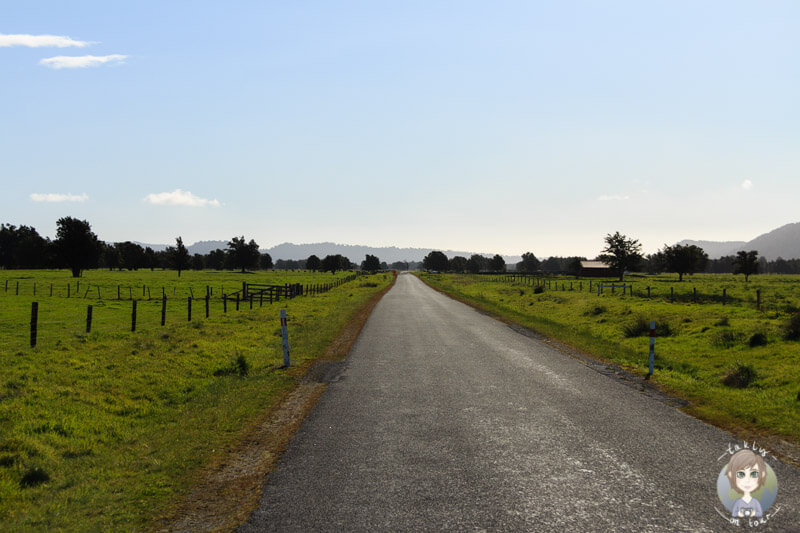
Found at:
<point>40,41</point>
<point>60,62</point>
<point>56,197</point>
<point>747,185</point>
<point>613,197</point>
<point>180,197</point>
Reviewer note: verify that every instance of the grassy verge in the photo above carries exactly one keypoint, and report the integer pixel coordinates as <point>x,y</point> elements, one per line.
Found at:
<point>732,362</point>
<point>102,431</point>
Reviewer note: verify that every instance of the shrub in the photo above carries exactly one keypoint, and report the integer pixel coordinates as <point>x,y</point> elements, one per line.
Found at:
<point>240,366</point>
<point>758,339</point>
<point>640,327</point>
<point>792,329</point>
<point>726,338</point>
<point>34,476</point>
<point>740,376</point>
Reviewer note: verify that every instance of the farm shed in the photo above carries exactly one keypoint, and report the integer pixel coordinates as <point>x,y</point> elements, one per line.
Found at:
<point>595,269</point>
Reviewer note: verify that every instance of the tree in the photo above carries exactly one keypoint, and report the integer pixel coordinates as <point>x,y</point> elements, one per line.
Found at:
<point>683,259</point>
<point>178,255</point>
<point>529,263</point>
<point>243,254</point>
<point>23,247</point>
<point>371,264</point>
<point>497,263</point>
<point>477,263</point>
<point>77,247</point>
<point>435,261</point>
<point>457,264</point>
<point>746,263</point>
<point>266,262</point>
<point>131,255</point>
<point>313,263</point>
<point>333,263</point>
<point>621,253</point>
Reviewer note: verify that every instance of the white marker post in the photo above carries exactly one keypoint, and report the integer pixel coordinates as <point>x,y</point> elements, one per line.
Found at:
<point>652,347</point>
<point>285,335</point>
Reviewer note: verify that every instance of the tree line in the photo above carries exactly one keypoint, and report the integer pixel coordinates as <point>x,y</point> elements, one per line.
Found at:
<point>77,248</point>
<point>622,254</point>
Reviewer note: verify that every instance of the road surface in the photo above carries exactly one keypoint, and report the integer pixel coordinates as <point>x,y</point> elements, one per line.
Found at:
<point>444,419</point>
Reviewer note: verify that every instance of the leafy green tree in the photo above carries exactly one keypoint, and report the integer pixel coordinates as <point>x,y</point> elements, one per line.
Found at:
<point>177,256</point>
<point>371,264</point>
<point>746,263</point>
<point>621,253</point>
<point>529,263</point>
<point>457,264</point>
<point>77,247</point>
<point>476,263</point>
<point>266,262</point>
<point>198,262</point>
<point>313,263</point>
<point>435,261</point>
<point>334,263</point>
<point>497,263</point>
<point>131,255</point>
<point>684,259</point>
<point>215,259</point>
<point>243,254</point>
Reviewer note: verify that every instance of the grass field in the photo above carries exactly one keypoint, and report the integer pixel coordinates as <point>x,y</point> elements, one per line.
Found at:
<point>101,431</point>
<point>701,344</point>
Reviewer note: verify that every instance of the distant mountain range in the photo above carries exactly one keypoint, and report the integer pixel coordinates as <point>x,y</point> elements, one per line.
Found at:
<point>354,253</point>
<point>782,242</point>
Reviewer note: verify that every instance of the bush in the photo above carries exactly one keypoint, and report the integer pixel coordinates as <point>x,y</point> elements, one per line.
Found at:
<point>740,376</point>
<point>640,327</point>
<point>792,328</point>
<point>726,338</point>
<point>34,476</point>
<point>758,339</point>
<point>240,366</point>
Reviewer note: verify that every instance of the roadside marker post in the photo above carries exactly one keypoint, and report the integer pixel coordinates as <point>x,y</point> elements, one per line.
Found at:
<point>285,336</point>
<point>652,347</point>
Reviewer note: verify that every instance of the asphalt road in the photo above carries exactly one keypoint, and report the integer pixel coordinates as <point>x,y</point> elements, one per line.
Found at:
<point>444,419</point>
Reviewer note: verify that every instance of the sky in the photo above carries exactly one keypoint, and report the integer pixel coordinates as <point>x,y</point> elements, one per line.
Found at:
<point>497,127</point>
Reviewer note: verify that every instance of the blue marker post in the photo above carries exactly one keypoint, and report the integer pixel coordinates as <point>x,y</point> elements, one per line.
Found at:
<point>285,335</point>
<point>652,347</point>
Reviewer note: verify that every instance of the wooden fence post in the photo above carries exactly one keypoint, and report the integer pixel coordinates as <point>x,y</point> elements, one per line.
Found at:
<point>758,298</point>
<point>724,295</point>
<point>89,319</point>
<point>34,322</point>
<point>189,317</point>
<point>224,303</point>
<point>208,297</point>
<point>133,315</point>
<point>163,309</point>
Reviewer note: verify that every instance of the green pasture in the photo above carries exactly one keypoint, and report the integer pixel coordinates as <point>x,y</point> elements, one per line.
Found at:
<point>102,431</point>
<point>700,342</point>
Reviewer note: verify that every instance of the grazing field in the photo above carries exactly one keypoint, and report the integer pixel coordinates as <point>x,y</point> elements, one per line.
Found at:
<point>738,365</point>
<point>101,431</point>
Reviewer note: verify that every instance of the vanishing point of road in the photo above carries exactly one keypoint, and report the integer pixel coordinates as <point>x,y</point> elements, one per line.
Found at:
<point>444,419</point>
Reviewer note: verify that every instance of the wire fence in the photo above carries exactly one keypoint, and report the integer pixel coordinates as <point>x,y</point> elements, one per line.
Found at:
<point>47,320</point>
<point>785,299</point>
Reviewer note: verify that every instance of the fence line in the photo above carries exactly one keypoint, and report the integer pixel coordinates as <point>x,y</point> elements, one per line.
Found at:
<point>93,318</point>
<point>598,287</point>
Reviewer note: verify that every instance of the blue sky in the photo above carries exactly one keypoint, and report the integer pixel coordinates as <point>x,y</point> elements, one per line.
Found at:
<point>498,127</point>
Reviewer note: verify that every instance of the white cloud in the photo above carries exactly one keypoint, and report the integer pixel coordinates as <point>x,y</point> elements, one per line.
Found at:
<point>60,62</point>
<point>56,197</point>
<point>613,197</point>
<point>747,185</point>
<point>38,41</point>
<point>180,197</point>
